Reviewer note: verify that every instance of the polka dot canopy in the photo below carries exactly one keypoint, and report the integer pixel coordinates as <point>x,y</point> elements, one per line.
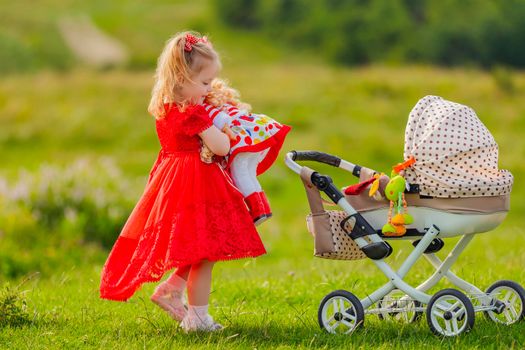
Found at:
<point>456,156</point>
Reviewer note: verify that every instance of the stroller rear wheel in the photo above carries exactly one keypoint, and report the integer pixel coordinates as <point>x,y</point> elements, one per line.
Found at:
<point>340,312</point>
<point>450,313</point>
<point>397,306</point>
<point>508,297</point>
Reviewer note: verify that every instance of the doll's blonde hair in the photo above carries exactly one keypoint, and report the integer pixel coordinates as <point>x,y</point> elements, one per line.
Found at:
<point>221,94</point>
<point>177,65</point>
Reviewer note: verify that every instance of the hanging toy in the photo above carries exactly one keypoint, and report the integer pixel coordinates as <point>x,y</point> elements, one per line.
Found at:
<point>374,191</point>
<point>395,193</point>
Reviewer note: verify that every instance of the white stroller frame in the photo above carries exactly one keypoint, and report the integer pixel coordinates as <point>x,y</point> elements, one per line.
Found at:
<point>449,312</point>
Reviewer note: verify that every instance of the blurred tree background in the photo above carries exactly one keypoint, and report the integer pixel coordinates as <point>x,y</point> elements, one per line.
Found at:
<point>449,32</point>
<point>481,33</point>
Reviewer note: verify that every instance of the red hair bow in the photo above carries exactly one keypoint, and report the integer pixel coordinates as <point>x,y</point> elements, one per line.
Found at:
<point>192,40</point>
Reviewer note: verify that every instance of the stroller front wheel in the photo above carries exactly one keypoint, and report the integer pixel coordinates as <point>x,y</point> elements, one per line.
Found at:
<point>340,312</point>
<point>450,313</point>
<point>508,297</point>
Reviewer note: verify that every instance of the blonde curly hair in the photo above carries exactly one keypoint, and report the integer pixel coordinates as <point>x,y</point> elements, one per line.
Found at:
<point>176,66</point>
<point>222,93</point>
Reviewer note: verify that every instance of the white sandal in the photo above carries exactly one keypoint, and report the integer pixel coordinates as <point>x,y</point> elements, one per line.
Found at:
<point>194,324</point>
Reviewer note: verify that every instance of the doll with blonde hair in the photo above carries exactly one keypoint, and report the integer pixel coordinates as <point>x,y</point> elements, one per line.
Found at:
<point>190,214</point>
<point>255,143</point>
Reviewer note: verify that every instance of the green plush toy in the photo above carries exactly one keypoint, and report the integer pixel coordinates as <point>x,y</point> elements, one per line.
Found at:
<point>395,193</point>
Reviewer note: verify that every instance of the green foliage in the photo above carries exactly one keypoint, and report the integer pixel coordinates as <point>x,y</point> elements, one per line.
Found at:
<point>14,55</point>
<point>13,308</point>
<point>504,80</point>
<point>85,202</point>
<point>61,216</point>
<point>30,38</point>
<point>449,32</point>
<point>240,13</point>
<point>14,265</point>
<point>33,49</point>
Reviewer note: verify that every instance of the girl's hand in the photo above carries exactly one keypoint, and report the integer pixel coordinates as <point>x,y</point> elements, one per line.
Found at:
<point>217,141</point>
<point>228,131</point>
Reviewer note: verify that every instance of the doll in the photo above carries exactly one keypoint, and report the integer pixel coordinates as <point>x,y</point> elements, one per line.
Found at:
<point>255,143</point>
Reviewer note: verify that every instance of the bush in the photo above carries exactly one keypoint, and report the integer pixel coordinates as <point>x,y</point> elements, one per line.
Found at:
<point>13,308</point>
<point>25,53</point>
<point>239,13</point>
<point>14,55</point>
<point>503,78</point>
<point>87,201</point>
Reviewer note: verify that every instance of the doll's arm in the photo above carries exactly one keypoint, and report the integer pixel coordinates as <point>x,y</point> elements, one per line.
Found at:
<point>221,120</point>
<point>234,111</point>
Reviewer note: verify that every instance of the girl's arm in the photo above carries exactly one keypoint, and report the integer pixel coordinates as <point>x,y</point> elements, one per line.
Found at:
<point>217,141</point>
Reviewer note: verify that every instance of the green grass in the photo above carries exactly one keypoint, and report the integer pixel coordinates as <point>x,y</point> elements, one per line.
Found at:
<point>59,116</point>
<point>266,303</point>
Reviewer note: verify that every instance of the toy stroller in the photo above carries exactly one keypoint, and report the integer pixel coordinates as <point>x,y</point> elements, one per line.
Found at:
<point>450,185</point>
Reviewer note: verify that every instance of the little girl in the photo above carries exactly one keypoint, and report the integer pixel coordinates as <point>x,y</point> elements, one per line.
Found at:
<point>190,214</point>
<point>255,143</point>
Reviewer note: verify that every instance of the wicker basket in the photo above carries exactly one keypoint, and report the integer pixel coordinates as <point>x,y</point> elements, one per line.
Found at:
<point>330,239</point>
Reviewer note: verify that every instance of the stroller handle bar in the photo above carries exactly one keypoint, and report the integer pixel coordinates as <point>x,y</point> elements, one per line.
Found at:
<point>320,157</point>
<point>316,156</point>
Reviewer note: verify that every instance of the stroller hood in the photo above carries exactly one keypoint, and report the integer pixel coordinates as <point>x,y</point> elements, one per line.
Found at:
<point>456,156</point>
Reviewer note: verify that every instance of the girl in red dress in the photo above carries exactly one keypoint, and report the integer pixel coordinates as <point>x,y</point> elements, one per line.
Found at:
<point>190,214</point>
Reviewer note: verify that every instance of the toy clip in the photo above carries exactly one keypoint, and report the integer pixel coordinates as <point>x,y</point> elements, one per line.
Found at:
<point>375,185</point>
<point>406,164</point>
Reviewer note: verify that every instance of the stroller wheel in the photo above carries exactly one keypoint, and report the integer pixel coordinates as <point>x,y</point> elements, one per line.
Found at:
<point>450,313</point>
<point>340,312</point>
<point>397,306</point>
<point>508,298</point>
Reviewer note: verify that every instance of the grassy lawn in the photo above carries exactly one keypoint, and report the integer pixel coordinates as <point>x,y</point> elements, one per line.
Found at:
<point>58,117</point>
<point>266,303</point>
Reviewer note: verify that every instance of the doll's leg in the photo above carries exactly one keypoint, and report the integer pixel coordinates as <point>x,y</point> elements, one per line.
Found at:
<point>169,295</point>
<point>244,174</point>
<point>263,198</point>
<point>199,286</point>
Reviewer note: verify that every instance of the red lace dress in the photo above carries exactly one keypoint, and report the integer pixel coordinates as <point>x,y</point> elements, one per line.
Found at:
<point>188,212</point>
